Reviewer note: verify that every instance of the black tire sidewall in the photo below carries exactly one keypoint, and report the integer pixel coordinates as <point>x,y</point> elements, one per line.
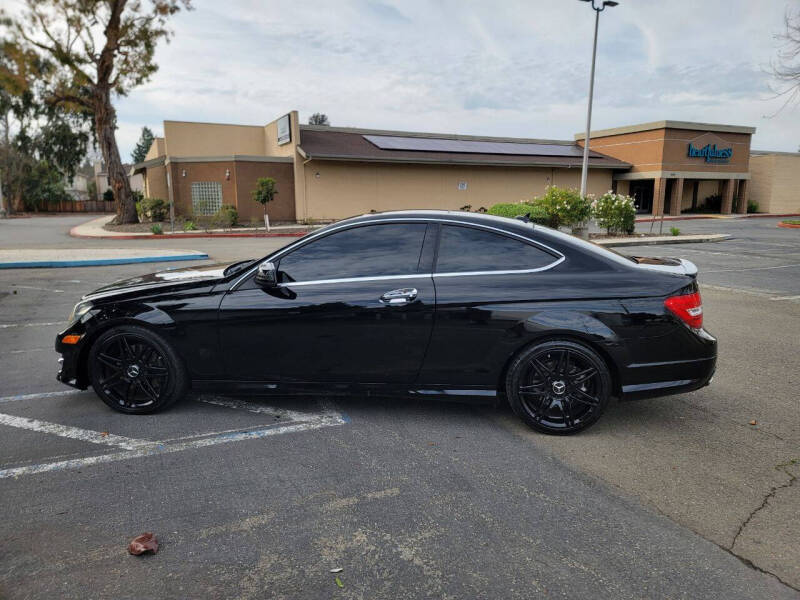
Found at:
<point>177,374</point>
<point>515,372</point>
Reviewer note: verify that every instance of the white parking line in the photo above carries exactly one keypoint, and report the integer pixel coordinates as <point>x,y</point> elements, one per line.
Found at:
<point>7,325</point>
<point>752,269</point>
<point>76,433</point>
<point>786,298</point>
<point>40,396</point>
<point>30,287</point>
<point>328,420</point>
<point>328,416</point>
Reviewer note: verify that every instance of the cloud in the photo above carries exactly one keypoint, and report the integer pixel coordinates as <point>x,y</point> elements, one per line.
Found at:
<point>502,68</point>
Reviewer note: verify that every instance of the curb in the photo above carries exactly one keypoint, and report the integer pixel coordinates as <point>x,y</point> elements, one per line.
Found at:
<point>100,262</point>
<point>716,216</point>
<point>658,242</point>
<point>788,225</point>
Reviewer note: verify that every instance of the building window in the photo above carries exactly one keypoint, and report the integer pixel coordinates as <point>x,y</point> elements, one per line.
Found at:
<point>206,197</point>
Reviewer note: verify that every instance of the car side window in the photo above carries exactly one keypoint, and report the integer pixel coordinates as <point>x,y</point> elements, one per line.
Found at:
<point>465,249</point>
<point>367,251</point>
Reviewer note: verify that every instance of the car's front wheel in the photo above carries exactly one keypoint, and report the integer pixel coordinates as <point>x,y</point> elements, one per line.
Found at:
<point>558,387</point>
<point>136,371</point>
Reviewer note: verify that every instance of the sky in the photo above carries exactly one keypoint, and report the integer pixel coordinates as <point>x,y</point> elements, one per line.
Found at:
<point>500,67</point>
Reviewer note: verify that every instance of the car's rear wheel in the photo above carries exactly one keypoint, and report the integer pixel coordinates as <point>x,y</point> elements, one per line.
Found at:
<point>558,387</point>
<point>136,371</point>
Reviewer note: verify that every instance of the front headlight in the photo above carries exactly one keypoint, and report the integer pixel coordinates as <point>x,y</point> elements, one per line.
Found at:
<point>80,309</point>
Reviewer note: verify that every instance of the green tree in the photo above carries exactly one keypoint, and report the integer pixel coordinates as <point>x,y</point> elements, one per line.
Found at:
<point>37,139</point>
<point>319,119</point>
<point>264,193</point>
<point>142,146</point>
<point>99,49</point>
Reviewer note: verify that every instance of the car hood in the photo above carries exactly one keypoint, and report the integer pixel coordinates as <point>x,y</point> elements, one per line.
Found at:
<point>678,266</point>
<point>201,274</point>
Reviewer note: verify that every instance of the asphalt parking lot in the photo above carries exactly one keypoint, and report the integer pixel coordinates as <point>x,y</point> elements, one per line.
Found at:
<point>676,497</point>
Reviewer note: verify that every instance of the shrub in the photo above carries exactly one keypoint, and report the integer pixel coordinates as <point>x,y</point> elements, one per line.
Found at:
<point>615,212</point>
<point>752,206</point>
<point>564,206</point>
<point>151,209</point>
<point>517,209</point>
<point>189,226</point>
<point>156,229</point>
<point>510,209</point>
<point>108,195</point>
<point>227,216</point>
<point>674,231</point>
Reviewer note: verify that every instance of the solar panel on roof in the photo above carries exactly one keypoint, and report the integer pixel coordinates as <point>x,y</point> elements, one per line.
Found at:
<point>388,142</point>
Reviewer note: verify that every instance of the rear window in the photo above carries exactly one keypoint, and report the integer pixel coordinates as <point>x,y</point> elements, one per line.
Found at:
<point>465,249</point>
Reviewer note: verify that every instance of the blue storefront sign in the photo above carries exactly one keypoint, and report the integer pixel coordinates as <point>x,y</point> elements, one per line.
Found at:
<point>711,153</point>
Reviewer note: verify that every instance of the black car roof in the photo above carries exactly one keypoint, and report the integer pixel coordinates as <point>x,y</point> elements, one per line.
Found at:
<point>447,215</point>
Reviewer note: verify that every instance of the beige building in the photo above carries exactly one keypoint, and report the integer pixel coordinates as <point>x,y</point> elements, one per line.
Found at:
<point>327,173</point>
<point>775,181</point>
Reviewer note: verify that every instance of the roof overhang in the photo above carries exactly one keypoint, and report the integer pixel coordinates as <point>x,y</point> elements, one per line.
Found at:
<point>147,164</point>
<point>715,127</point>
<point>533,162</point>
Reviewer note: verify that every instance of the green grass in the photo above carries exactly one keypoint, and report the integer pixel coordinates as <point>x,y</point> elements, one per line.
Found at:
<point>674,231</point>
<point>792,221</point>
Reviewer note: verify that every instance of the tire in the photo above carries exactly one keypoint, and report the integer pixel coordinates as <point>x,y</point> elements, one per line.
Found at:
<point>558,387</point>
<point>136,371</point>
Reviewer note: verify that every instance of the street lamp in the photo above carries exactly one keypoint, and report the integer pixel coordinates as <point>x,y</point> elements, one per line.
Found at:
<point>598,8</point>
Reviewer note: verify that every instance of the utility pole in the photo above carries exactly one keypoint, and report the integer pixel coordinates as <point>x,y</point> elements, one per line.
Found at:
<point>585,168</point>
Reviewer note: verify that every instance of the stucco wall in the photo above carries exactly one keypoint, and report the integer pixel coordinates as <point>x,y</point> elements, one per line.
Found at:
<point>157,148</point>
<point>761,173</point>
<point>335,190</point>
<point>155,183</point>
<point>212,139</point>
<point>775,182</point>
<point>271,137</point>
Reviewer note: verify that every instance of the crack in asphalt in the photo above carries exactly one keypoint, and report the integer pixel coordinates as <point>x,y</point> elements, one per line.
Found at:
<point>764,503</point>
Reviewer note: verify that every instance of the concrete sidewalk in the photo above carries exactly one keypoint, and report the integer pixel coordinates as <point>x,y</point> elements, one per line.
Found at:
<point>90,257</point>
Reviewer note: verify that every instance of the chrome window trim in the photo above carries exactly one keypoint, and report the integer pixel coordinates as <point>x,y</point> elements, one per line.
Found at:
<point>322,233</point>
<point>355,279</point>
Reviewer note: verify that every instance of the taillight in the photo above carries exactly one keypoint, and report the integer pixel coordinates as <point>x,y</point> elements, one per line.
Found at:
<point>688,308</point>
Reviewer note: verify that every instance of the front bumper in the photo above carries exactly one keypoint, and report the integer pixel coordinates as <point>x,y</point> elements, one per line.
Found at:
<point>70,370</point>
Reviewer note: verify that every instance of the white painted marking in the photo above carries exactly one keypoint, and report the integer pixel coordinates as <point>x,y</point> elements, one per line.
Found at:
<point>752,269</point>
<point>7,325</point>
<point>30,287</point>
<point>23,397</point>
<point>786,298</point>
<point>31,350</point>
<point>75,433</point>
<point>254,408</point>
<point>328,419</point>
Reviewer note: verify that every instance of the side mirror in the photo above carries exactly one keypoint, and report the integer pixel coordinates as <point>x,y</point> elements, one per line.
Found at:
<point>267,275</point>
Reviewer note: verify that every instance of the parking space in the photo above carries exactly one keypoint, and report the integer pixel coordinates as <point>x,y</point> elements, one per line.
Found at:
<point>88,433</point>
<point>262,497</point>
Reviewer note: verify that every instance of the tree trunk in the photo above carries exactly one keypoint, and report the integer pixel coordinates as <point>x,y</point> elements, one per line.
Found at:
<point>105,123</point>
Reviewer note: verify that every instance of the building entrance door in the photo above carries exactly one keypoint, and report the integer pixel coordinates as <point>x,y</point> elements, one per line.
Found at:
<point>642,193</point>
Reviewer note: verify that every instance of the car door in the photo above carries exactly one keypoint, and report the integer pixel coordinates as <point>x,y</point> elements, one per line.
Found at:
<point>486,282</point>
<point>353,305</point>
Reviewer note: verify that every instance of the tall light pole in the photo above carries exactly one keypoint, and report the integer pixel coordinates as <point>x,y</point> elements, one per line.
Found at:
<point>598,8</point>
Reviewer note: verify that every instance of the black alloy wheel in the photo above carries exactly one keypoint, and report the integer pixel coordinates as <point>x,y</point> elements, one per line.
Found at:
<point>135,371</point>
<point>558,387</point>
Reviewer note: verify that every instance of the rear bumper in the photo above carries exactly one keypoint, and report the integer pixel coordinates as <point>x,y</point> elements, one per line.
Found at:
<point>649,380</point>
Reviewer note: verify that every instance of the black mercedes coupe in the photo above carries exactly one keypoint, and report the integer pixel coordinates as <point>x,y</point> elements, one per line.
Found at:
<point>423,303</point>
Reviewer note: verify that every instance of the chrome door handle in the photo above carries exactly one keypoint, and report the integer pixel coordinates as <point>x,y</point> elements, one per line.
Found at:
<point>399,297</point>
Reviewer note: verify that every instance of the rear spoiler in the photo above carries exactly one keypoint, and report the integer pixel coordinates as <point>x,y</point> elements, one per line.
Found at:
<point>679,266</point>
